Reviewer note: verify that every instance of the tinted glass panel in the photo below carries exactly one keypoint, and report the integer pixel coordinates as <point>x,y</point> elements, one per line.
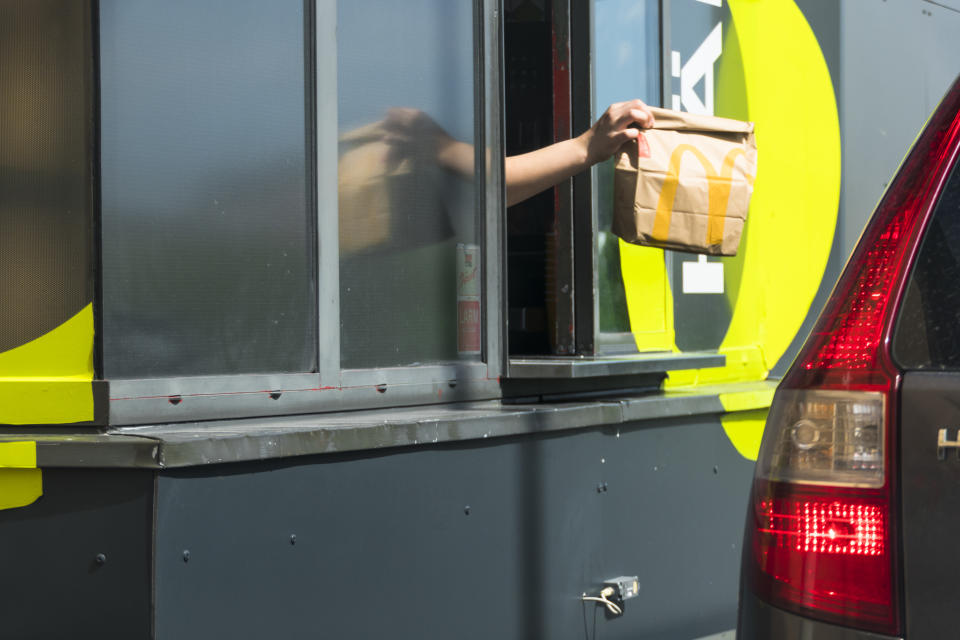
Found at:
<point>626,44</point>
<point>406,121</point>
<point>928,328</point>
<point>207,234</point>
<point>45,160</point>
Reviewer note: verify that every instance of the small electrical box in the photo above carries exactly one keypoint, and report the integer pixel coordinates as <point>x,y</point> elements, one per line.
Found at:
<point>626,587</point>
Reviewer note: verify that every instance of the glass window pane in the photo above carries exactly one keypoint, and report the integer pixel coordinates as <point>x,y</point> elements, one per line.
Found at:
<point>928,333</point>
<point>626,44</point>
<point>407,209</point>
<point>45,160</point>
<point>208,240</point>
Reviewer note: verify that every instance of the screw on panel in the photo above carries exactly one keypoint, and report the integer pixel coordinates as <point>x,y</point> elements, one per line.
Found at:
<point>466,510</point>
<point>186,555</point>
<point>602,487</point>
<point>716,469</point>
<point>293,538</point>
<point>101,559</point>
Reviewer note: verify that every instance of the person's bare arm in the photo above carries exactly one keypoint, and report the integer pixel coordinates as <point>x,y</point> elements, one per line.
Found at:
<point>530,173</point>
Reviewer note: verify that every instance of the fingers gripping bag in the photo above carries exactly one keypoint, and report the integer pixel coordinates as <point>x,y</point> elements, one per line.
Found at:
<point>686,183</point>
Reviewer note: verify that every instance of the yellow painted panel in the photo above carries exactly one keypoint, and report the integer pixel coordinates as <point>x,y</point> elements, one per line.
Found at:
<point>18,455</point>
<point>45,401</point>
<point>20,487</point>
<point>49,380</point>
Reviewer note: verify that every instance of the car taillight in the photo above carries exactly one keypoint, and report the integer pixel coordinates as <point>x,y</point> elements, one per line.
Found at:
<point>822,515</point>
<point>822,524</point>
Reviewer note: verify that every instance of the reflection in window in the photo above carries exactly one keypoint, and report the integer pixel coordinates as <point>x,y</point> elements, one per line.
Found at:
<point>406,104</point>
<point>626,66</point>
<point>207,235</point>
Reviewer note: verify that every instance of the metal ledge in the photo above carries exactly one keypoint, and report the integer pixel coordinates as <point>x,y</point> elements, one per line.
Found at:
<point>595,366</point>
<point>223,441</point>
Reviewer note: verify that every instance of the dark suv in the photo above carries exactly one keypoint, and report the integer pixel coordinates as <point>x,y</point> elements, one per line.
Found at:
<point>853,527</point>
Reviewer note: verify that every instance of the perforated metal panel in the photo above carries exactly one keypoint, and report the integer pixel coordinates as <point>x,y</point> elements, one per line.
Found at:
<point>45,166</point>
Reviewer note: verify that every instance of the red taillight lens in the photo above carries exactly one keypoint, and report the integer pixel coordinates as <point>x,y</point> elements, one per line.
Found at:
<point>825,550</point>
<point>822,527</point>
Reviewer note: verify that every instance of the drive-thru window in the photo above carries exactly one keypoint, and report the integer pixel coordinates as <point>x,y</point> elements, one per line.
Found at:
<point>274,361</point>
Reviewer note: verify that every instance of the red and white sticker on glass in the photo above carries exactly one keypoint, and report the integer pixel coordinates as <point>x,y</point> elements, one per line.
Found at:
<point>468,299</point>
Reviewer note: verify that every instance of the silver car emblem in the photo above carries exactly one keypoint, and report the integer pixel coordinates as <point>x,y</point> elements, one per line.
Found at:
<point>944,443</point>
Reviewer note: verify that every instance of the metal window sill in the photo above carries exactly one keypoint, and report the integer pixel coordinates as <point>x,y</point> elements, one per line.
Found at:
<point>574,367</point>
<point>224,441</point>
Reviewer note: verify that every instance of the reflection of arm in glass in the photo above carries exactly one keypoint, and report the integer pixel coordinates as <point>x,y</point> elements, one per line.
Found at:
<point>530,173</point>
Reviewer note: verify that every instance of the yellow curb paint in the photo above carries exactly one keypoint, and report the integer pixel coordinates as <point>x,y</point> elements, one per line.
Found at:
<point>21,483</point>
<point>18,455</point>
<point>49,380</point>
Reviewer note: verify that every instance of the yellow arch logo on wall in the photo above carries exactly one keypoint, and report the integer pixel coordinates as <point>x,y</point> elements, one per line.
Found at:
<point>773,73</point>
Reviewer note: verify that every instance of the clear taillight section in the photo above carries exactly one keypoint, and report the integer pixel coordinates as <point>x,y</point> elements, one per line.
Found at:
<point>833,437</point>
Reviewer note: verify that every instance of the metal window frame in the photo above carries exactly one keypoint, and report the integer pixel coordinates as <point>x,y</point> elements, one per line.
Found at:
<point>331,388</point>
<point>591,338</point>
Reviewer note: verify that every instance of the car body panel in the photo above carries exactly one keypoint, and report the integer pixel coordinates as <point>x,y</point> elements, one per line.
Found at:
<point>760,621</point>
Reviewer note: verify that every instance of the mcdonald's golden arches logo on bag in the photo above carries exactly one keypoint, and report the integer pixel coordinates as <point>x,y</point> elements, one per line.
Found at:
<point>686,183</point>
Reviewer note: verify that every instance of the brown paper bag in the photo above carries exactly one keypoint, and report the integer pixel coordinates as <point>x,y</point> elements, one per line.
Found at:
<point>686,183</point>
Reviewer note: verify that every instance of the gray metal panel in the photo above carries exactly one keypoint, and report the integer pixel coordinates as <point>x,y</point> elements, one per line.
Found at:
<point>458,372</point>
<point>930,502</point>
<point>593,366</point>
<point>153,409</point>
<point>953,5</point>
<point>52,585</point>
<point>760,621</point>
<point>908,80</point>
<point>482,540</point>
